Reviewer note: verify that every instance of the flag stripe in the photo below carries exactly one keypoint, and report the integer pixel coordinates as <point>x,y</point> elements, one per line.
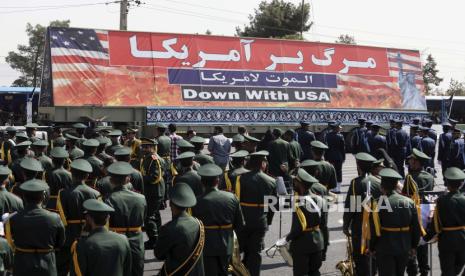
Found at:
<point>59,51</point>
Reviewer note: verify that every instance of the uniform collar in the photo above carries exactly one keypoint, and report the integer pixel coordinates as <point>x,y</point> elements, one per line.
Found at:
<point>99,229</point>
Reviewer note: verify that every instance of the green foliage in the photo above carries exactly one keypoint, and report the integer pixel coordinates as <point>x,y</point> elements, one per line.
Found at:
<point>430,74</point>
<point>346,39</point>
<point>25,59</point>
<point>456,88</point>
<point>277,19</point>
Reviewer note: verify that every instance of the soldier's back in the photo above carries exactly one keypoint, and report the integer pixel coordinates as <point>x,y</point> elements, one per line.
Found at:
<point>9,202</point>
<point>192,179</point>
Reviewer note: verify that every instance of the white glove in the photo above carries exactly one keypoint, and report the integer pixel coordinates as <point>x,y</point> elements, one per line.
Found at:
<point>422,242</point>
<point>281,242</point>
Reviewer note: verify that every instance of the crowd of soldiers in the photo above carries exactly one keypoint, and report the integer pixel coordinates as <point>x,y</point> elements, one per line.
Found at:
<point>79,202</point>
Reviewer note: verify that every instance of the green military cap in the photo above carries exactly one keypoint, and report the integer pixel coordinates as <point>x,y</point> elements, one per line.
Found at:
<point>454,173</point>
<point>318,145</point>
<point>148,141</point>
<point>182,195</point>
<point>123,151</point>
<point>40,143</point>
<point>34,185</point>
<point>71,137</point>
<point>366,157</point>
<point>59,152</point>
<point>197,140</point>
<point>11,129</point>
<point>81,165</point>
<point>21,135</point>
<point>389,173</point>
<point>23,144</point>
<point>419,155</point>
<point>260,153</point>
<point>97,206</point>
<point>79,126</point>
<point>239,154</point>
<point>161,125</point>
<point>379,162</point>
<point>115,132</point>
<point>93,143</point>
<point>131,130</point>
<point>304,176</point>
<point>238,138</point>
<point>309,163</point>
<point>210,170</point>
<point>75,154</point>
<point>59,142</point>
<point>185,155</point>
<point>31,164</point>
<point>120,168</point>
<point>31,125</point>
<point>104,140</point>
<point>251,139</point>
<point>184,144</point>
<point>4,170</point>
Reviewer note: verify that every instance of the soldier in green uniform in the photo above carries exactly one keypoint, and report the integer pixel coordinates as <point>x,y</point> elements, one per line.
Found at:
<point>309,220</point>
<point>312,167</point>
<point>251,189</point>
<point>9,202</point>
<point>250,144</point>
<point>137,183</point>
<point>71,147</point>
<point>29,169</point>
<point>80,128</point>
<point>31,131</point>
<point>295,150</point>
<point>279,156</point>
<point>200,158</point>
<point>151,168</point>
<point>6,257</point>
<point>69,205</point>
<point>8,146</point>
<point>378,165</point>
<point>220,213</point>
<point>21,153</point>
<point>104,142</point>
<point>187,174</point>
<point>102,252</point>
<point>327,175</point>
<point>183,146</point>
<point>90,148</point>
<point>129,214</point>
<point>449,224</point>
<point>236,167</point>
<point>238,141</point>
<point>114,136</point>
<point>40,147</point>
<point>59,178</point>
<point>395,230</point>
<point>34,233</point>
<point>355,217</point>
<point>56,138</point>
<point>21,137</point>
<point>182,239</point>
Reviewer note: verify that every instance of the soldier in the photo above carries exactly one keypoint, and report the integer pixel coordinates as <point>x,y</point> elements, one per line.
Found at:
<point>336,153</point>
<point>445,140</point>
<point>69,205</point>
<point>187,174</point>
<point>21,137</point>
<point>395,227</point>
<point>279,156</point>
<point>309,221</point>
<point>34,233</point>
<point>59,178</point>
<point>358,141</point>
<point>183,238</point>
<point>428,123</point>
<point>151,169</point>
<point>133,143</point>
<point>324,132</point>
<point>73,150</point>
<point>8,146</point>
<point>428,146</point>
<point>29,168</point>
<point>121,220</point>
<point>449,224</point>
<point>312,168</point>
<point>163,150</point>
<point>415,139</point>
<point>327,175</point>
<point>136,181</point>
<point>452,122</point>
<point>101,154</point>
<point>456,157</point>
<point>200,158</point>
<point>21,153</point>
<point>378,165</point>
<point>80,128</point>
<point>250,144</point>
<point>368,125</point>
<point>305,137</point>
<point>40,147</point>
<point>397,148</point>
<point>220,213</point>
<point>6,257</point>
<point>31,131</point>
<point>236,167</point>
<point>102,252</point>
<point>295,151</point>
<point>57,139</point>
<point>238,141</point>
<point>376,141</point>
<point>115,137</point>
<point>9,202</point>
<point>252,188</point>
<point>355,217</point>
<point>90,149</point>
<point>416,121</point>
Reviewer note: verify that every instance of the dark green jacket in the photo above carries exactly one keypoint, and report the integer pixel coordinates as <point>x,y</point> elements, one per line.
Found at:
<point>9,202</point>
<point>57,179</point>
<point>190,177</point>
<point>152,174</point>
<point>97,166</point>
<point>327,175</point>
<point>164,145</point>
<point>232,175</point>
<point>105,188</point>
<point>451,208</point>
<point>279,155</point>
<point>103,253</point>
<point>176,241</point>
<point>295,152</point>
<point>423,180</point>
<point>319,189</point>
<point>46,162</point>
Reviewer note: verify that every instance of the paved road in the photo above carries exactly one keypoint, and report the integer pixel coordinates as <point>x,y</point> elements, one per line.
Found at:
<point>337,248</point>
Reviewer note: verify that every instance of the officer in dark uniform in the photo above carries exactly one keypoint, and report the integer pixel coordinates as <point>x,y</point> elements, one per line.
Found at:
<point>304,136</point>
<point>416,121</point>
<point>220,213</point>
<point>69,205</point>
<point>327,175</point>
<point>71,146</point>
<point>250,144</point>
<point>368,125</point>
<point>324,132</point>
<point>29,169</point>
<point>358,141</point>
<point>445,140</point>
<point>103,252</point>
<point>136,180</point>
<point>237,141</point>
<point>187,174</point>
<point>252,188</point>
<point>9,202</point>
<point>336,152</point>
<point>431,132</point>
<point>128,217</point>
<point>80,128</point>
<point>8,146</point>
<point>397,148</point>
<point>183,238</point>
<point>21,153</point>
<point>295,150</point>
<point>115,137</point>
<point>154,188</point>
<point>183,146</point>
<point>279,156</point>
<point>59,178</point>
<point>40,147</point>
<point>376,141</point>
<point>415,139</point>
<point>391,134</point>
<point>101,154</point>
<point>309,220</point>
<point>449,224</point>
<point>31,131</point>
<point>428,146</point>
<point>395,227</point>
<point>312,168</point>
<point>355,217</point>
<point>236,167</point>
<point>90,149</point>
<point>34,233</point>
<point>456,157</point>
<point>200,157</point>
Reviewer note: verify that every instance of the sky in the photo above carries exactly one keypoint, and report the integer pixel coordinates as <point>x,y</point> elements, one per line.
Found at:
<point>430,27</point>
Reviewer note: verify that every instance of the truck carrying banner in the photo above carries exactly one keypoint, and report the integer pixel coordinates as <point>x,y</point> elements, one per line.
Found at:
<point>204,79</point>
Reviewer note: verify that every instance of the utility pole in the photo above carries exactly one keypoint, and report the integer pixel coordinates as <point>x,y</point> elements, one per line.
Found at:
<point>123,15</point>
<point>302,22</point>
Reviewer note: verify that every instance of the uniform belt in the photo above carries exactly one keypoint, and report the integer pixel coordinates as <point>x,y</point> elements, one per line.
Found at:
<point>126,229</point>
<point>218,227</point>
<point>252,204</point>
<point>311,229</point>
<point>34,250</point>
<point>396,229</point>
<point>75,221</point>
<point>453,228</point>
<point>53,196</point>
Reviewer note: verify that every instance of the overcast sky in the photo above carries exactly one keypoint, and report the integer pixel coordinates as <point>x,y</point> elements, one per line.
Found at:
<point>430,27</point>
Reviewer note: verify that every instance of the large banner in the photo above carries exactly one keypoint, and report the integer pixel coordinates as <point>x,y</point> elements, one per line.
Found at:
<point>173,73</point>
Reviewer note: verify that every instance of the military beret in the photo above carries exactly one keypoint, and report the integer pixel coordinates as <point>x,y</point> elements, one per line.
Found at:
<point>148,141</point>
<point>71,137</point>
<point>81,165</point>
<point>260,153</point>
<point>11,129</point>
<point>31,164</point>
<point>92,143</point>
<point>123,151</point>
<point>4,170</point>
<point>79,126</point>
<point>389,173</point>
<point>182,195</point>
<point>454,173</point>
<point>97,206</point>
<point>115,132</point>
<point>40,143</point>
<point>184,144</point>
<point>197,140</point>
<point>309,163</point>
<point>104,140</point>
<point>185,155</point>
<point>238,138</point>
<point>304,176</point>
<point>251,138</point>
<point>34,185</point>
<point>303,123</point>
<point>31,125</point>
<point>239,154</point>
<point>23,144</point>
<point>452,121</point>
<point>120,168</point>
<point>21,135</point>
<point>209,170</point>
<point>59,152</point>
<point>161,125</point>
<point>318,145</point>
<point>365,157</point>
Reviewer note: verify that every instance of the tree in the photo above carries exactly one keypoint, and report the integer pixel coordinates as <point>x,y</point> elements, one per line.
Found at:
<point>430,74</point>
<point>208,32</point>
<point>277,19</point>
<point>29,58</point>
<point>456,88</point>
<point>346,39</point>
